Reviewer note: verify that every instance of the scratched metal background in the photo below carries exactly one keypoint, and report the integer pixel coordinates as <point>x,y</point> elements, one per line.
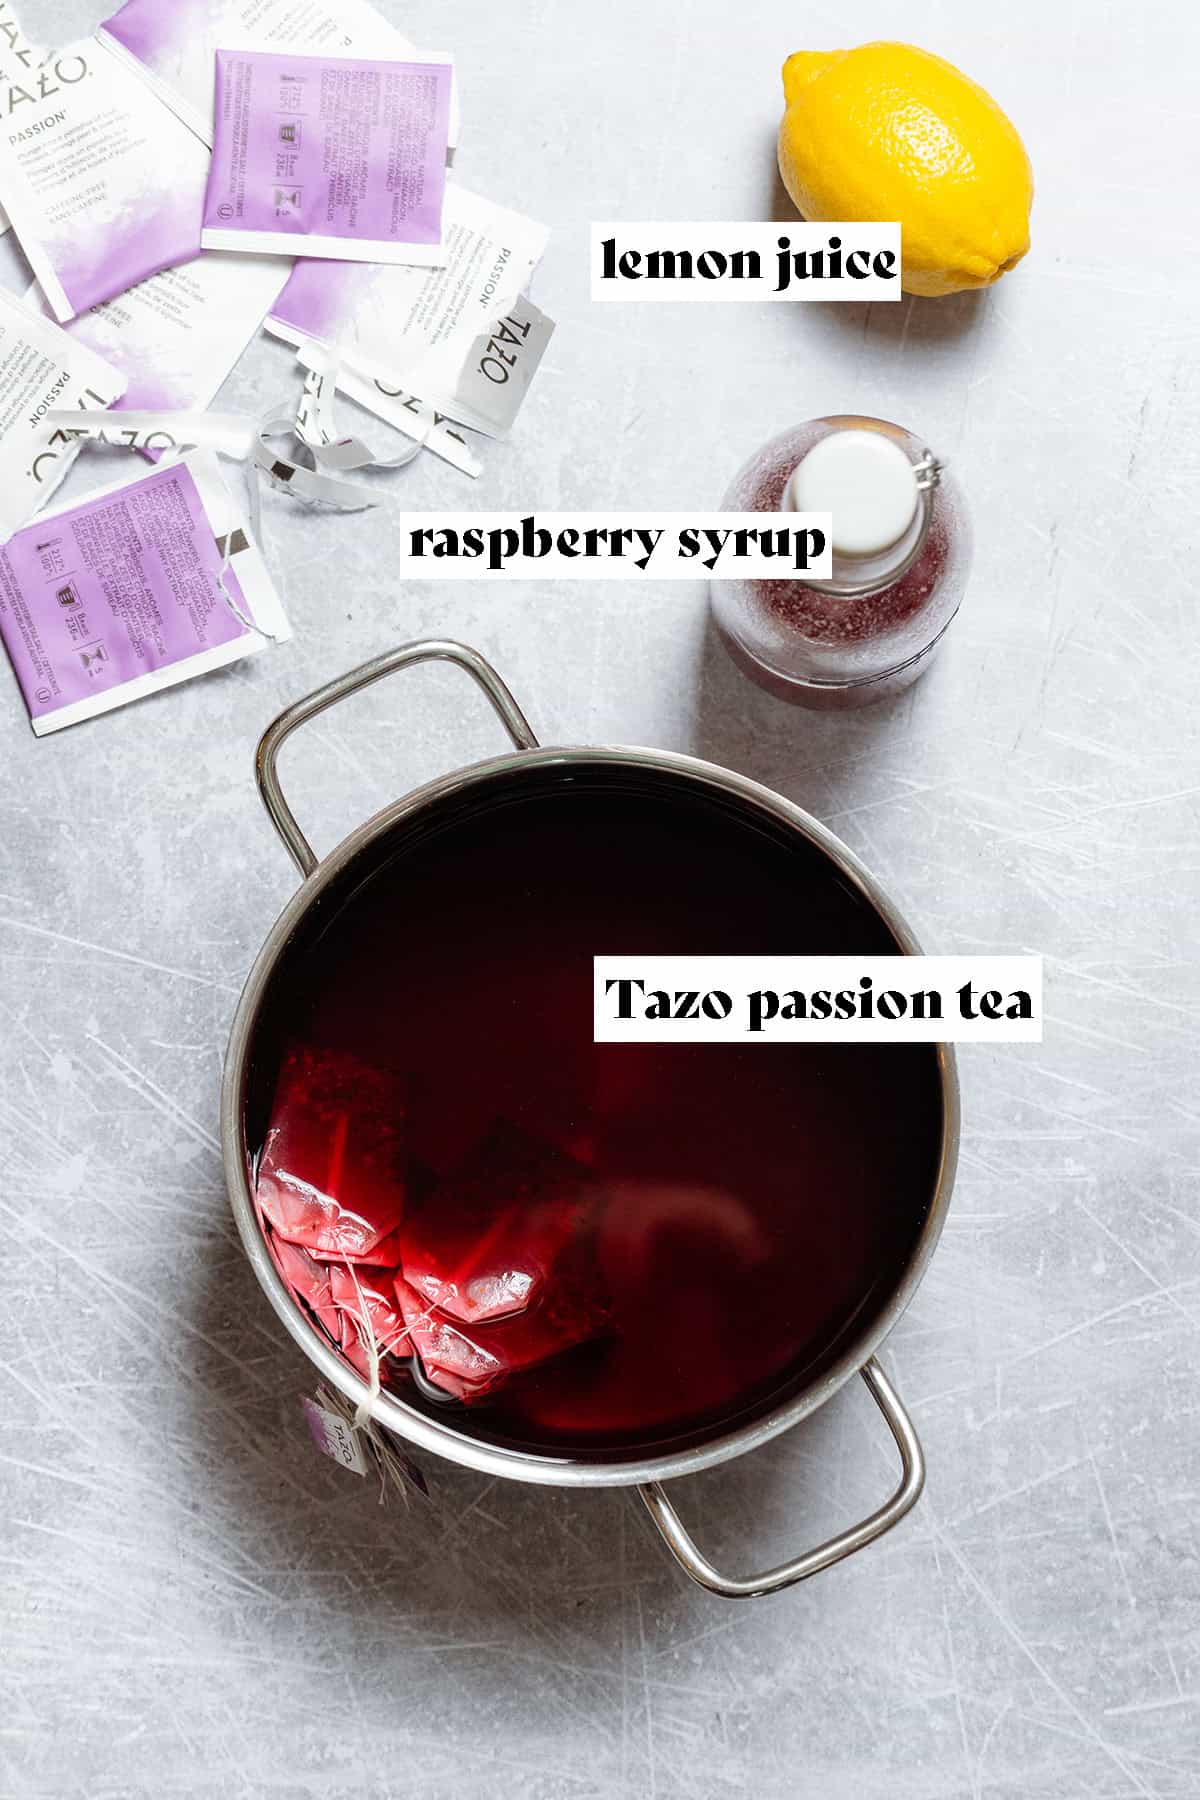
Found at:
<point>193,1603</point>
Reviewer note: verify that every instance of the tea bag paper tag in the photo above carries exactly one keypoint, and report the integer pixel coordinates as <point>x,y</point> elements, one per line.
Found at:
<point>335,1438</point>
<point>363,1448</point>
<point>497,372</point>
<point>312,487</point>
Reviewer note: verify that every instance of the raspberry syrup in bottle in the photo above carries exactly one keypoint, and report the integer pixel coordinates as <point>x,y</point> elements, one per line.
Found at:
<point>901,558</point>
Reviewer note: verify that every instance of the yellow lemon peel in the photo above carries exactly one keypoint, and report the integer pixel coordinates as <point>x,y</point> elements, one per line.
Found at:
<point>887,131</point>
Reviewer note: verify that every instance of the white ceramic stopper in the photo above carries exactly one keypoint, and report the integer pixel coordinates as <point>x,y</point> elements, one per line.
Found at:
<point>868,484</point>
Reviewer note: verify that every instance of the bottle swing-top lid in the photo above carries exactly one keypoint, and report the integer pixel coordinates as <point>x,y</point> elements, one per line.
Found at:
<point>877,498</point>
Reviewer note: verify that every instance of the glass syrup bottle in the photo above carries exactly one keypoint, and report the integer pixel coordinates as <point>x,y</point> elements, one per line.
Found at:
<point>901,557</point>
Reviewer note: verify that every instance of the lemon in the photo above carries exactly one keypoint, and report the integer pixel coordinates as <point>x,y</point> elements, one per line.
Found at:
<point>890,132</point>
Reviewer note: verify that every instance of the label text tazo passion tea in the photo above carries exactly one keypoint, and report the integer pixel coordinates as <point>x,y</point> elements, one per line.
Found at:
<point>338,156</point>
<point>143,585</point>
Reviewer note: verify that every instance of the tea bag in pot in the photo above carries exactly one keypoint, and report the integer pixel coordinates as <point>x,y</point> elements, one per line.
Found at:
<point>485,1241</point>
<point>332,1176</point>
<point>498,1266</point>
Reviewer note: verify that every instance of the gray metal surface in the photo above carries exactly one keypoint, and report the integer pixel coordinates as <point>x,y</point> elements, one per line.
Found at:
<point>193,1603</point>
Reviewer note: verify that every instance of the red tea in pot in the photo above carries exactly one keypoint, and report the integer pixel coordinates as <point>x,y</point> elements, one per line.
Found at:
<point>570,1247</point>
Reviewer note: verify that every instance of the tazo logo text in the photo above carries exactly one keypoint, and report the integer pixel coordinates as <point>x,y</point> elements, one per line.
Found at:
<point>88,400</point>
<point>66,71</point>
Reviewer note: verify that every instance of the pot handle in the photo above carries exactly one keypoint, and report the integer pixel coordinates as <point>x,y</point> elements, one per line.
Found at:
<point>732,1587</point>
<point>429,650</point>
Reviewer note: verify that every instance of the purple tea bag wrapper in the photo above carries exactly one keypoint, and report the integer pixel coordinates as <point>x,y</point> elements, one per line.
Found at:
<point>338,157</point>
<point>129,591</point>
<point>174,41</point>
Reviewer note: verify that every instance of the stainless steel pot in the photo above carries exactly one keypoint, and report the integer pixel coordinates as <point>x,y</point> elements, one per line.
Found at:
<point>647,1476</point>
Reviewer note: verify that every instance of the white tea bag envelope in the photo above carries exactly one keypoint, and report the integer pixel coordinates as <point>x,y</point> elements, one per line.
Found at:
<point>426,331</point>
<point>177,336</point>
<point>41,371</point>
<point>103,184</point>
<point>174,42</point>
